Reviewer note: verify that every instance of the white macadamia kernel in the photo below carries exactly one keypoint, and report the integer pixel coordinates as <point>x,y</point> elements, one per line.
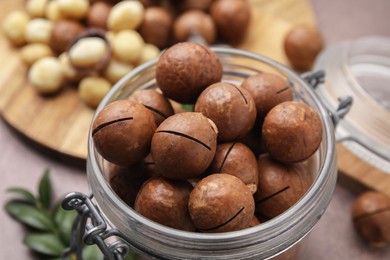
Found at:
<point>93,89</point>
<point>46,75</point>
<point>88,51</point>
<point>127,46</point>
<point>68,71</point>
<point>38,30</point>
<point>34,51</point>
<point>125,15</point>
<point>149,52</point>
<point>116,70</point>
<point>36,8</point>
<point>14,27</point>
<point>74,9</point>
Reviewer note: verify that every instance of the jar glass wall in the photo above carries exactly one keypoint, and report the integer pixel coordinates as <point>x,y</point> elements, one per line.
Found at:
<point>263,241</point>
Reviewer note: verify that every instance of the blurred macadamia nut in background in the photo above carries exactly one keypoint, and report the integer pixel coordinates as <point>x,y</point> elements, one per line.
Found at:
<point>52,11</point>
<point>69,73</point>
<point>36,8</point>
<point>74,9</point>
<point>34,51</point>
<point>63,34</point>
<point>14,27</point>
<point>371,218</point>
<point>156,26</point>
<point>302,44</point>
<point>268,90</point>
<point>194,22</point>
<point>87,52</point>
<point>149,52</point>
<point>38,30</point>
<point>98,14</point>
<point>127,46</point>
<point>46,75</point>
<point>232,18</point>
<point>116,69</point>
<point>203,5</point>
<point>93,89</point>
<point>125,15</point>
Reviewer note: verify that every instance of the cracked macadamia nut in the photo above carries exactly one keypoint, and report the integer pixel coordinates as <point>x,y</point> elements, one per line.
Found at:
<point>371,218</point>
<point>232,18</point>
<point>220,203</point>
<point>280,186</point>
<point>122,132</point>
<point>156,26</point>
<point>231,108</point>
<point>184,70</point>
<point>238,160</point>
<point>292,131</point>
<point>14,27</point>
<point>46,75</point>
<point>267,90</point>
<point>184,145</point>
<point>157,103</point>
<point>194,22</point>
<point>166,202</point>
<point>302,44</point>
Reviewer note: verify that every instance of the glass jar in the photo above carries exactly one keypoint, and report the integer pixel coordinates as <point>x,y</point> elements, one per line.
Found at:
<point>263,241</point>
<point>361,69</point>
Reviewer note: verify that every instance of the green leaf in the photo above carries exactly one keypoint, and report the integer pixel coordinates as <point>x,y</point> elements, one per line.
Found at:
<point>44,243</point>
<point>26,194</point>
<point>45,190</point>
<point>64,221</point>
<point>29,215</point>
<point>188,107</point>
<point>92,252</point>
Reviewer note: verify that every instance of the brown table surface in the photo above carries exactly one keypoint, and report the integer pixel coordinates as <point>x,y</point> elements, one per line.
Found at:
<point>332,238</point>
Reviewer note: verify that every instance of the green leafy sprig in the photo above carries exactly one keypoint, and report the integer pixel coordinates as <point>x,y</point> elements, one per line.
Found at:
<point>49,225</point>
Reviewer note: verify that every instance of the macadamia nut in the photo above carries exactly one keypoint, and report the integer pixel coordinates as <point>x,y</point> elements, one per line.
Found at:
<point>14,27</point>
<point>116,70</point>
<point>34,51</point>
<point>36,8</point>
<point>38,30</point>
<point>127,45</point>
<point>93,89</point>
<point>87,52</point>
<point>74,9</point>
<point>125,15</point>
<point>149,52</point>
<point>46,75</point>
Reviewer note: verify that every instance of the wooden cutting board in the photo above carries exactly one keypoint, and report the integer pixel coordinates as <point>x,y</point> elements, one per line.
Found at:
<point>61,122</point>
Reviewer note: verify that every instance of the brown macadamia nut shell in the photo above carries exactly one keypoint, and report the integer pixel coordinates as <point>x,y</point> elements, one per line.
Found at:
<point>194,22</point>
<point>371,218</point>
<point>157,103</point>
<point>238,160</point>
<point>186,69</point>
<point>122,132</point>
<point>220,203</point>
<point>292,131</point>
<point>184,145</point>
<point>166,202</point>
<point>267,90</point>
<point>231,108</point>
<point>280,186</point>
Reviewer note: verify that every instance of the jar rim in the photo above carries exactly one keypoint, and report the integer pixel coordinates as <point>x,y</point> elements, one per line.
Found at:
<point>304,207</point>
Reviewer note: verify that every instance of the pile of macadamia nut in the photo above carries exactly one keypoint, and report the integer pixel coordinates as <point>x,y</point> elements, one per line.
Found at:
<point>90,44</point>
<point>238,159</point>
<point>94,43</point>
